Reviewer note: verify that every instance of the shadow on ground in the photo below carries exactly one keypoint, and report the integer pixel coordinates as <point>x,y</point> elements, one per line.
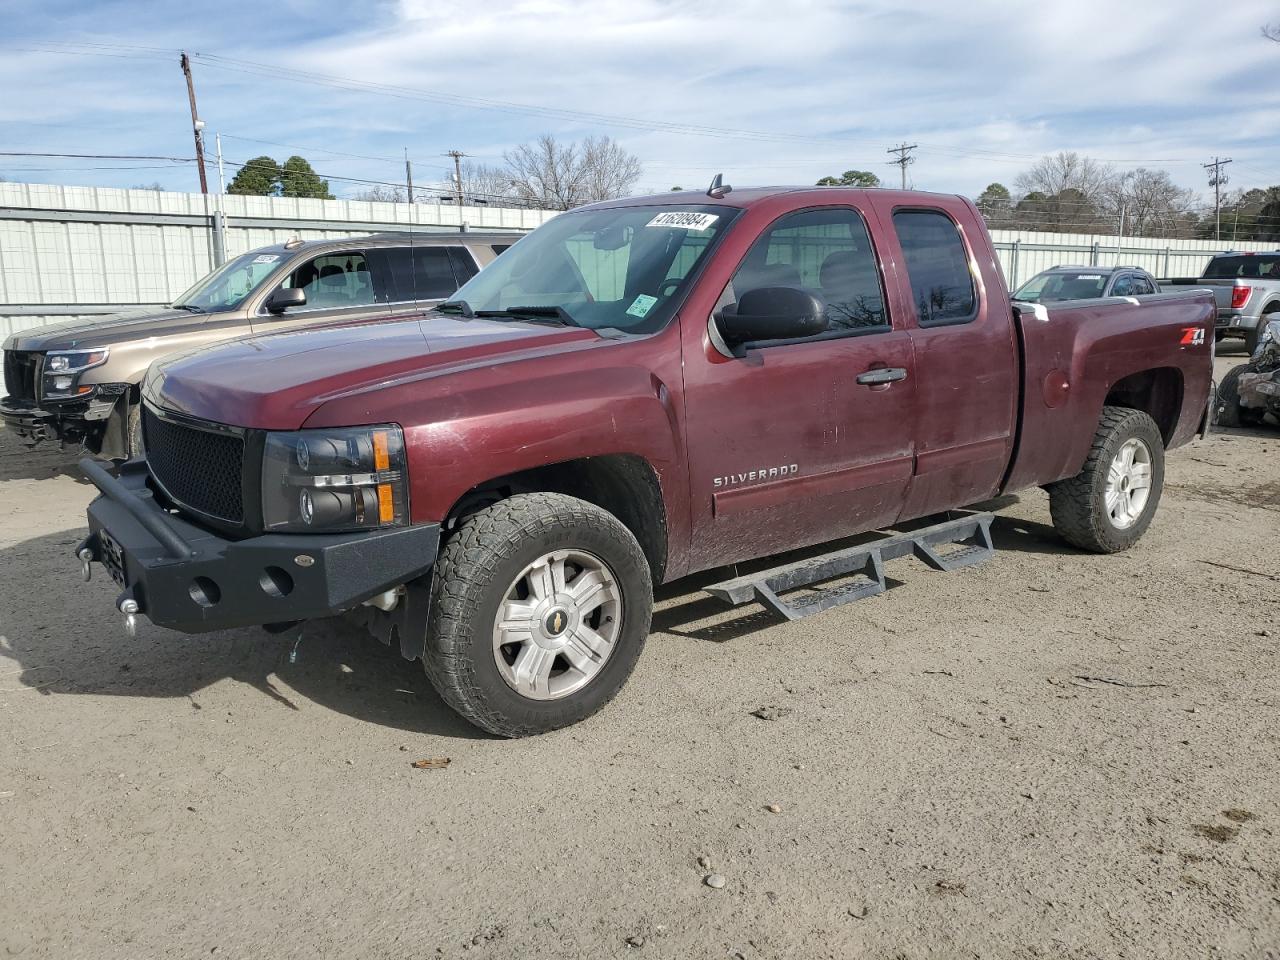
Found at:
<point>66,638</point>
<point>22,461</point>
<point>685,611</point>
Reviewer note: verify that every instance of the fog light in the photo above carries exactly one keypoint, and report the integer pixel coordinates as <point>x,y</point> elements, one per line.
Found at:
<point>62,383</point>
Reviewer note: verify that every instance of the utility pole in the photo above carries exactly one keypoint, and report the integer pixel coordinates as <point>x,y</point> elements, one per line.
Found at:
<point>408,175</point>
<point>197,125</point>
<point>457,173</point>
<point>904,159</point>
<point>1217,179</point>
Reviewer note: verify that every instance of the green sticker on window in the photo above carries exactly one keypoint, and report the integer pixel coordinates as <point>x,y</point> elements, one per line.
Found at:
<point>641,305</point>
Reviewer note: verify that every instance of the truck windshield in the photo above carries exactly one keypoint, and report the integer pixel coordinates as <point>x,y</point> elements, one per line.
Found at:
<point>1256,267</point>
<point>624,268</point>
<point>1047,287</point>
<point>228,286</point>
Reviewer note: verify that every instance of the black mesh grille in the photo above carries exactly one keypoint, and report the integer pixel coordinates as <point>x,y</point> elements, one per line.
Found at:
<point>200,469</point>
<point>20,374</point>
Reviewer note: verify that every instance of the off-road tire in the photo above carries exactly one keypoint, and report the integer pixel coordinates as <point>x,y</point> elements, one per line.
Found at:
<point>1230,413</point>
<point>475,569</point>
<point>1078,504</point>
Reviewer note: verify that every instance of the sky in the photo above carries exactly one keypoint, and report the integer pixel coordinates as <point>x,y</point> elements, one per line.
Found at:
<point>765,92</point>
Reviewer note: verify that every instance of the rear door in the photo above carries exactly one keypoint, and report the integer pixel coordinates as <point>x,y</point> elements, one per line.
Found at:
<point>966,361</point>
<point>435,274</point>
<point>796,443</point>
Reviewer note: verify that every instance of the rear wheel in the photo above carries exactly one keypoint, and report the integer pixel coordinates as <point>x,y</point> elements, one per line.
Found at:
<point>541,607</point>
<point>1108,505</point>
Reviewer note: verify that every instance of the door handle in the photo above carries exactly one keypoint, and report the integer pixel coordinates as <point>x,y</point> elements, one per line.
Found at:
<point>882,375</point>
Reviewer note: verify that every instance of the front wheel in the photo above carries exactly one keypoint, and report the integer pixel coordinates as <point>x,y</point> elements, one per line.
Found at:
<point>1108,505</point>
<point>541,606</point>
<point>1231,413</point>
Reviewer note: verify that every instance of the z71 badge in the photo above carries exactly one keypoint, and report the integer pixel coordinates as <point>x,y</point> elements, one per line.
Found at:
<point>755,476</point>
<point>1193,336</point>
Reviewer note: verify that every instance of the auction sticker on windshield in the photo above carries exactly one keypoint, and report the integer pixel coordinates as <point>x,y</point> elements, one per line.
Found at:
<point>266,258</point>
<point>684,221</point>
<point>642,304</point>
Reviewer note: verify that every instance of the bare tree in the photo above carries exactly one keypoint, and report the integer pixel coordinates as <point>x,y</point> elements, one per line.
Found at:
<point>610,171</point>
<point>1065,191</point>
<point>381,194</point>
<point>560,176</point>
<point>1067,171</point>
<point>1271,31</point>
<point>1151,203</point>
<point>485,183</point>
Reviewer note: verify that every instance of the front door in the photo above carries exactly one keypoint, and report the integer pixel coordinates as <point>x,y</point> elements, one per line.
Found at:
<point>338,285</point>
<point>801,442</point>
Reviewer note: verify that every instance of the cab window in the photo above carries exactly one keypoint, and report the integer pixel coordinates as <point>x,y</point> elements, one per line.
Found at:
<point>334,281</point>
<point>827,252</point>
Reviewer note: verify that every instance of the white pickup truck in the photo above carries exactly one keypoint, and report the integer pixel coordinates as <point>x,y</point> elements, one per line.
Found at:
<point>1246,286</point>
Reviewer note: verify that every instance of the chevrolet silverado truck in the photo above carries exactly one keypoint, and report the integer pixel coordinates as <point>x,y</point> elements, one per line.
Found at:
<point>79,381</point>
<point>639,390</point>
<point>1246,288</point>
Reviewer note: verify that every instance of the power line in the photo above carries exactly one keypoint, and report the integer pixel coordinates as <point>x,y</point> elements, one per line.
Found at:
<point>93,156</point>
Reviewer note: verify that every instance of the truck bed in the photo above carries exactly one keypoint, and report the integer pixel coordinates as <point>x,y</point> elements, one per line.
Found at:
<point>1079,356</point>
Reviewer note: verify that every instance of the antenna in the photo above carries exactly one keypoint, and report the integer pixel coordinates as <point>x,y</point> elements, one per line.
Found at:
<point>718,187</point>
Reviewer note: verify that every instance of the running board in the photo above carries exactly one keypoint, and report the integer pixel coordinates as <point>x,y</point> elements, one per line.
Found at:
<point>865,562</point>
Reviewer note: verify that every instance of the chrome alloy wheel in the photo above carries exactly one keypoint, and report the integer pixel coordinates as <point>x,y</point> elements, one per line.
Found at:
<point>557,625</point>
<point>1128,483</point>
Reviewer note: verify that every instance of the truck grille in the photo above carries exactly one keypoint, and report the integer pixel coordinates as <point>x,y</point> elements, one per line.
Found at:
<point>22,374</point>
<point>200,469</point>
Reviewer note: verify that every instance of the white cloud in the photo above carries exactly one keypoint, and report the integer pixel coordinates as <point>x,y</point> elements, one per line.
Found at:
<point>983,87</point>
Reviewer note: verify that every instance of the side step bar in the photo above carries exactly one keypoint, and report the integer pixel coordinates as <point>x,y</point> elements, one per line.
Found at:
<point>866,563</point>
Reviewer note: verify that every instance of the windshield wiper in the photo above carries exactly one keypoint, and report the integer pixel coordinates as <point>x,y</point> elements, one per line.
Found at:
<point>557,313</point>
<point>460,307</point>
<point>190,307</point>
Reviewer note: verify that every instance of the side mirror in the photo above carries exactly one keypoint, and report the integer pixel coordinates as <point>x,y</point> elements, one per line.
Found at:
<point>284,298</point>
<point>772,313</point>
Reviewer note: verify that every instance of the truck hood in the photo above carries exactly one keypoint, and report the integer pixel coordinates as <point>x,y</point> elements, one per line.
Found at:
<point>275,382</point>
<point>78,333</point>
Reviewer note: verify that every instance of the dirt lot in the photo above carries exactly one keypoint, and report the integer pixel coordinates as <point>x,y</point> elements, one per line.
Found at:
<point>950,781</point>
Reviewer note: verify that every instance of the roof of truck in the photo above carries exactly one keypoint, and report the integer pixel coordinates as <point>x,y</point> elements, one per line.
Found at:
<point>748,196</point>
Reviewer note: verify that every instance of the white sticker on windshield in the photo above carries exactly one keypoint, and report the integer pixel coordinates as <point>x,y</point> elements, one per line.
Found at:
<point>266,258</point>
<point>1089,276</point>
<point>684,221</point>
<point>641,305</point>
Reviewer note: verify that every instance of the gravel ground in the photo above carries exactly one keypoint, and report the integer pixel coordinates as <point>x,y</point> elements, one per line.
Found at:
<point>942,778</point>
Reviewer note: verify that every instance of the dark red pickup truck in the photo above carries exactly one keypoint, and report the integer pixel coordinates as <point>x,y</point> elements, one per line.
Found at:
<point>638,390</point>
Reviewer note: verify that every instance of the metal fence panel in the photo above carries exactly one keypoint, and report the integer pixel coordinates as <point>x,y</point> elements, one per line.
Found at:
<point>83,251</point>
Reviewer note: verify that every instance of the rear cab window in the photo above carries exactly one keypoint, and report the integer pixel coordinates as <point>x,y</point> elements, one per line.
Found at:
<point>937,263</point>
<point>1249,266</point>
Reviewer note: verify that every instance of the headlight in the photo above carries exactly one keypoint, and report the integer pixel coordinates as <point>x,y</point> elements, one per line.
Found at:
<point>330,481</point>
<point>73,361</point>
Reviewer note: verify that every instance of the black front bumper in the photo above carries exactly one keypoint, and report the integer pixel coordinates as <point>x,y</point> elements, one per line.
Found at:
<point>186,578</point>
